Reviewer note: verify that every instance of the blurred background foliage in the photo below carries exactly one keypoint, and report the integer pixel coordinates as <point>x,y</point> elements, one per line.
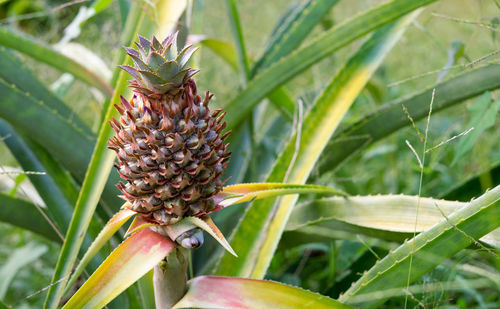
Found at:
<point>433,42</point>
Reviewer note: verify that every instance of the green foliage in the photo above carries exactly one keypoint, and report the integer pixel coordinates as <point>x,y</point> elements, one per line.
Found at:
<point>305,107</point>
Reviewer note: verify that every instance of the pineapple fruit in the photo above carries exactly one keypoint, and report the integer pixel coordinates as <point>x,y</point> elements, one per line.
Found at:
<point>170,147</point>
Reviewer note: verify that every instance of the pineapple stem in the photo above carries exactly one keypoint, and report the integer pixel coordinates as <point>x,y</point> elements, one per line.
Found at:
<point>169,279</point>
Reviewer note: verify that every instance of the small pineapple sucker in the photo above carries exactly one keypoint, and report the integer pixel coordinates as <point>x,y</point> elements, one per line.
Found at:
<point>170,147</point>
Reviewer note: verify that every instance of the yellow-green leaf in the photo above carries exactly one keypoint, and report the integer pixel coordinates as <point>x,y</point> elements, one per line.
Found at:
<point>106,233</point>
<point>235,194</point>
<point>137,255</point>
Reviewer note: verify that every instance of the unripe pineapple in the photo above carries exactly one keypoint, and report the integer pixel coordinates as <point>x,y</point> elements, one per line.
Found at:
<point>170,148</point>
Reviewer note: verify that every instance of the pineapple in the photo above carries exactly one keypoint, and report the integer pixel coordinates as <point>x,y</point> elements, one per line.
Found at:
<point>170,148</point>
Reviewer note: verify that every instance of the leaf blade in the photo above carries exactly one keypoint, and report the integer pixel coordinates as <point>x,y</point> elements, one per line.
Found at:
<point>228,292</point>
<point>263,223</point>
<point>137,255</point>
<point>49,56</point>
<point>324,45</point>
<point>428,249</point>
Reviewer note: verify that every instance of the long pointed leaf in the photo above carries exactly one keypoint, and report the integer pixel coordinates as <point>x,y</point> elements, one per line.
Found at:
<point>106,233</point>
<point>295,29</point>
<point>390,117</point>
<point>239,293</point>
<point>323,46</point>
<point>386,216</point>
<point>240,193</point>
<point>263,223</point>
<point>14,71</point>
<point>49,56</point>
<point>137,255</point>
<point>428,250</point>
<point>25,215</point>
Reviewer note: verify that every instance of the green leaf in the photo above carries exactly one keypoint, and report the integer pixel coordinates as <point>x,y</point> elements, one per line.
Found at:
<point>4,306</point>
<point>321,47</point>
<point>18,259</point>
<point>240,193</point>
<point>24,214</point>
<point>136,256</point>
<point>33,118</point>
<point>293,31</point>
<point>43,53</point>
<point>14,71</point>
<point>258,233</point>
<point>146,290</point>
<point>234,20</point>
<point>57,203</point>
<point>228,292</point>
<point>427,250</point>
<point>390,217</point>
<point>483,116</point>
<point>390,117</point>
<point>40,122</point>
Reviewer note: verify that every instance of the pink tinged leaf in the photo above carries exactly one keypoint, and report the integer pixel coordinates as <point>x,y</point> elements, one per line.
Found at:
<point>138,224</point>
<point>240,193</point>
<point>106,233</point>
<point>239,293</point>
<point>205,223</point>
<point>131,260</point>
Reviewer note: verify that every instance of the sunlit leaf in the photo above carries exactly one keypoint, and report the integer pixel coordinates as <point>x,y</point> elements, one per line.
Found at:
<point>106,233</point>
<point>239,293</point>
<point>137,255</point>
<point>429,249</point>
<point>235,194</point>
<point>390,217</point>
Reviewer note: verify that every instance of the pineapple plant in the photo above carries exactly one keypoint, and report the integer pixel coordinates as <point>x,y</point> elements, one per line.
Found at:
<point>170,147</point>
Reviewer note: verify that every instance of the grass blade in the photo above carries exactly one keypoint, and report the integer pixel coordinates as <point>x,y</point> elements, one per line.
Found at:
<point>428,249</point>
<point>390,117</point>
<point>40,52</point>
<point>290,66</point>
<point>227,292</point>
<point>264,221</point>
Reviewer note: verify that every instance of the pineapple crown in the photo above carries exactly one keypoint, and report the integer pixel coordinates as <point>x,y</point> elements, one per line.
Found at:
<point>158,67</point>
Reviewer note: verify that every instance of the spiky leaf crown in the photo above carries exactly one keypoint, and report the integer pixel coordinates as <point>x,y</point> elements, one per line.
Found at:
<point>170,147</point>
<point>158,68</point>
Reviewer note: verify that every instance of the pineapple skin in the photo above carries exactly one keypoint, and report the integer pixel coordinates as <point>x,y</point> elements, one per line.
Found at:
<point>170,147</point>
